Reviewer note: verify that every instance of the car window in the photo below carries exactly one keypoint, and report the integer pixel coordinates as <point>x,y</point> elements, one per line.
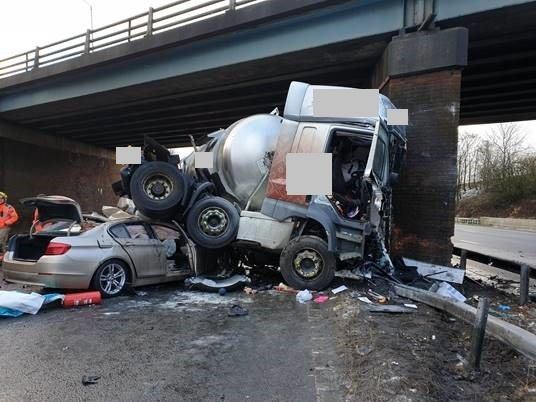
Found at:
<point>165,233</point>
<point>137,231</point>
<point>379,159</point>
<point>119,231</point>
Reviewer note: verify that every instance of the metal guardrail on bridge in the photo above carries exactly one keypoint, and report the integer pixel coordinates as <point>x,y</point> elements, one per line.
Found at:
<point>154,21</point>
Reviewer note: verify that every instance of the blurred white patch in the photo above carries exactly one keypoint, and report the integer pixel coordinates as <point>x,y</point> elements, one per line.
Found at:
<point>203,160</point>
<point>309,174</point>
<point>346,102</point>
<point>397,117</point>
<point>128,155</point>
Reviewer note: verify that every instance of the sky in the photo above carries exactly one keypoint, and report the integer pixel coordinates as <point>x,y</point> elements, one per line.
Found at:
<point>25,24</point>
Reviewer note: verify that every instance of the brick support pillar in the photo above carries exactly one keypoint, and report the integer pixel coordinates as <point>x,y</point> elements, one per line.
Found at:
<point>423,72</point>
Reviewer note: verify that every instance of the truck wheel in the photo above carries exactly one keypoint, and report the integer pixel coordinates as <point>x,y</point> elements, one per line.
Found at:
<point>157,189</point>
<point>306,263</point>
<point>212,222</point>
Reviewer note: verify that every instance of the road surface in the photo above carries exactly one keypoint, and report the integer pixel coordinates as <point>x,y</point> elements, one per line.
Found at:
<point>170,344</point>
<point>507,244</point>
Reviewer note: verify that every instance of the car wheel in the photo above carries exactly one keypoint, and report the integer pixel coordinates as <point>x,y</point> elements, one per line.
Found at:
<point>111,278</point>
<point>212,222</point>
<point>157,189</point>
<point>306,263</point>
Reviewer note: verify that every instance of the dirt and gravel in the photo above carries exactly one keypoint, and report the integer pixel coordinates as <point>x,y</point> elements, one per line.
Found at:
<point>416,357</point>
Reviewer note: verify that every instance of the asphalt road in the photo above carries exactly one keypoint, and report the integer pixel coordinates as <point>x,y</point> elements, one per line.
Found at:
<point>501,243</point>
<point>168,344</point>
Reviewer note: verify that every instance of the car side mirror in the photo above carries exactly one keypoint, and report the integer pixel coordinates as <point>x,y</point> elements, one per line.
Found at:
<point>394,178</point>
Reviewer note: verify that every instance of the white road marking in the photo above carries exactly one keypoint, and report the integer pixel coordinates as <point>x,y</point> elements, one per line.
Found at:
<point>467,241</point>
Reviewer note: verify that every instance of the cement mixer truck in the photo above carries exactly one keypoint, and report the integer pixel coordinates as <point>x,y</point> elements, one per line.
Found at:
<point>237,205</point>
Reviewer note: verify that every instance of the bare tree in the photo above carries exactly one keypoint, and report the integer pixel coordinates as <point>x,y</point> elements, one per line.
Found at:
<point>467,161</point>
<point>509,145</point>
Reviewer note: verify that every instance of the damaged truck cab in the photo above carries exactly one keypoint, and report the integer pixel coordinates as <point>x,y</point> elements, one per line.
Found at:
<point>240,204</point>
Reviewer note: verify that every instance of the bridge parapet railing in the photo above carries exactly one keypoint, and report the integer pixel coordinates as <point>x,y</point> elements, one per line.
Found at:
<point>468,221</point>
<point>154,21</point>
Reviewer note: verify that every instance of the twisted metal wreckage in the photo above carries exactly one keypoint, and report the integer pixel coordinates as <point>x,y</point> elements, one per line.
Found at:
<point>236,208</point>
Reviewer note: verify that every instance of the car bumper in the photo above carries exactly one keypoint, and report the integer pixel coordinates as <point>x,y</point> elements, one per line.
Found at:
<point>46,273</point>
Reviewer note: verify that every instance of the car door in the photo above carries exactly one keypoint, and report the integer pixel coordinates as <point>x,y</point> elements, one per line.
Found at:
<point>144,250</point>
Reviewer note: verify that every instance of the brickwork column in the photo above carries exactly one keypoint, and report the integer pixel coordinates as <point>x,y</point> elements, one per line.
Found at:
<point>422,73</point>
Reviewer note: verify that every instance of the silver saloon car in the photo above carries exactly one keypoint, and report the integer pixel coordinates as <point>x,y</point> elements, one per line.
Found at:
<point>63,250</point>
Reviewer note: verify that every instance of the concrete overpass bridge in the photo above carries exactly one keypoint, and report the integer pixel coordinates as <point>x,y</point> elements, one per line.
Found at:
<point>181,69</point>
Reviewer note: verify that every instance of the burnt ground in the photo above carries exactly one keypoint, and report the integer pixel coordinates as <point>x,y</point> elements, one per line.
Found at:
<point>168,343</point>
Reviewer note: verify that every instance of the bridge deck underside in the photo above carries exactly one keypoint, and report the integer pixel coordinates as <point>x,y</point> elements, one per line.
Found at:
<point>497,85</point>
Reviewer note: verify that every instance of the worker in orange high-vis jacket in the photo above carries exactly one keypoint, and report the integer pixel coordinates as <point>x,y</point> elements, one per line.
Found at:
<point>8,217</point>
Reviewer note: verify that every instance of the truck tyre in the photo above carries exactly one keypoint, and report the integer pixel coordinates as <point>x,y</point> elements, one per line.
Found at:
<point>157,189</point>
<point>306,263</point>
<point>212,222</point>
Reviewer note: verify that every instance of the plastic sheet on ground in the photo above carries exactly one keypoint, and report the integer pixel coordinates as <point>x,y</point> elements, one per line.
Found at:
<point>14,304</point>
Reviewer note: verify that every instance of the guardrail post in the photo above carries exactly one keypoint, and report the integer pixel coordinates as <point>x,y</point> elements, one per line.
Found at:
<point>150,22</point>
<point>129,29</point>
<point>26,55</point>
<point>463,259</point>
<point>87,45</point>
<point>524,282</point>
<point>232,5</point>
<point>36,57</point>
<point>479,330</point>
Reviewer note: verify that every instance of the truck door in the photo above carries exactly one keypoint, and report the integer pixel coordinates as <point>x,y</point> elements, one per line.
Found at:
<point>378,159</point>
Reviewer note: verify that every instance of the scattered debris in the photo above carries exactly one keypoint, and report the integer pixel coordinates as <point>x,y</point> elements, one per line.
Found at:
<point>347,274</point>
<point>303,296</point>
<point>504,307</point>
<point>250,291</point>
<point>437,272</point>
<point>389,308</point>
<point>214,285</point>
<point>90,379</point>
<point>285,288</point>
<point>444,289</point>
<point>237,311</point>
<point>364,299</point>
<point>321,299</point>
<point>410,305</point>
<point>339,289</point>
<point>378,297</point>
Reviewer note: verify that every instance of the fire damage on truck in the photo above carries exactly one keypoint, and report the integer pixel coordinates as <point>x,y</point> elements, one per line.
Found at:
<point>237,210</point>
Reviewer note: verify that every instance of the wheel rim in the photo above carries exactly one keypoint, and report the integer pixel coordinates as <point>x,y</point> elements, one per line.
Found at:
<point>213,221</point>
<point>158,187</point>
<point>308,263</point>
<point>112,278</point>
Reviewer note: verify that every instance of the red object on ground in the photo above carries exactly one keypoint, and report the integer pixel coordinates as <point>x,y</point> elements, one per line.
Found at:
<point>80,299</point>
<point>321,299</point>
